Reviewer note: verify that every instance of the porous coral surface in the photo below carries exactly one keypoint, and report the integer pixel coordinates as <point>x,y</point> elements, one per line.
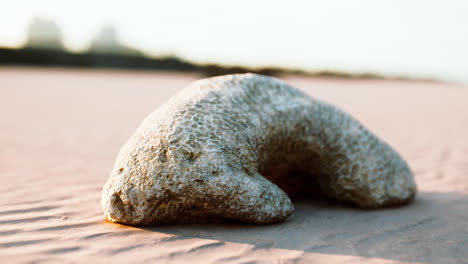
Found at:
<point>229,148</point>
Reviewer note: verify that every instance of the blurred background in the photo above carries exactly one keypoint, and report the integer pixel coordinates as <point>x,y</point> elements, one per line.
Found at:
<point>355,38</point>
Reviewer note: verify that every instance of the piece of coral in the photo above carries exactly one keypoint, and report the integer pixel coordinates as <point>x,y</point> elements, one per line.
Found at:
<point>229,148</point>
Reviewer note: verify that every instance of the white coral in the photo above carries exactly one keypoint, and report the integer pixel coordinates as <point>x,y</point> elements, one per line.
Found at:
<point>212,152</point>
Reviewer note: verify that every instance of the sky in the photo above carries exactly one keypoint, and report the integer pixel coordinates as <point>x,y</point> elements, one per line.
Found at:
<point>414,38</point>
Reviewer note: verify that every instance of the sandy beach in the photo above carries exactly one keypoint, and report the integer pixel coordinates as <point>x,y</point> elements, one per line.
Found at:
<point>61,130</point>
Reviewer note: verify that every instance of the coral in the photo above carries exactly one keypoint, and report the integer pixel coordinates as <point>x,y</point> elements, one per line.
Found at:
<point>229,148</point>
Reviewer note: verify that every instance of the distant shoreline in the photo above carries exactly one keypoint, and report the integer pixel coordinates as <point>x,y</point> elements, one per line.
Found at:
<point>61,58</point>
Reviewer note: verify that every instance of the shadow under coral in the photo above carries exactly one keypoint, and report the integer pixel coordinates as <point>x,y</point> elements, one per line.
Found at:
<point>432,229</point>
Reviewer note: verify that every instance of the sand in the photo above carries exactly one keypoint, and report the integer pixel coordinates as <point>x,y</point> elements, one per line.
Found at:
<point>60,131</point>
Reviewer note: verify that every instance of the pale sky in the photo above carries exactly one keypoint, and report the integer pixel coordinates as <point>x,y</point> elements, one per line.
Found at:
<point>421,38</point>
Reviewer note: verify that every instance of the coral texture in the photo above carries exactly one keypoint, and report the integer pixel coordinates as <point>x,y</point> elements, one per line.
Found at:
<point>229,148</point>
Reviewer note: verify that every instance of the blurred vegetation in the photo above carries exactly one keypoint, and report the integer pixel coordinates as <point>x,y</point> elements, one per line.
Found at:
<point>44,47</point>
<point>60,58</point>
<point>29,56</point>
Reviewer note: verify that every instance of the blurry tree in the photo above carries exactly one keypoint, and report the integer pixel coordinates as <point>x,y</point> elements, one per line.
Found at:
<point>107,42</point>
<point>44,34</point>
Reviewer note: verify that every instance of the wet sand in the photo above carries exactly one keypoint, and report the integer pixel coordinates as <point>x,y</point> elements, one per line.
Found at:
<point>60,132</point>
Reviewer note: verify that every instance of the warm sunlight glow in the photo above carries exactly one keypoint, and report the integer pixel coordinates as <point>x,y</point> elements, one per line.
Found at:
<point>416,38</point>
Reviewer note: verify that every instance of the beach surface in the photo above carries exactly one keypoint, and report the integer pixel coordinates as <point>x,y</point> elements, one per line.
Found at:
<point>60,131</point>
